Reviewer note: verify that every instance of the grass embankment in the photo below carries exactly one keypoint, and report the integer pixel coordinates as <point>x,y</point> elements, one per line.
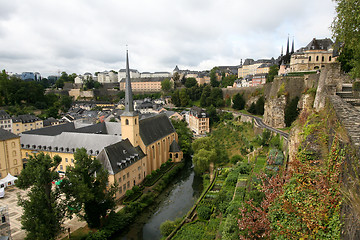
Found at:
<point>235,183</point>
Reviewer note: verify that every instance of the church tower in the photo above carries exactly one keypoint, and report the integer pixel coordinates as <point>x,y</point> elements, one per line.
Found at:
<point>130,118</point>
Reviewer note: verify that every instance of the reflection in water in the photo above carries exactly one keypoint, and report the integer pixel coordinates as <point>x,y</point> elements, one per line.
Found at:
<point>174,203</point>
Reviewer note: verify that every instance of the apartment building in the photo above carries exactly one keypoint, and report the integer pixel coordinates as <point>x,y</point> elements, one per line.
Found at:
<point>10,154</point>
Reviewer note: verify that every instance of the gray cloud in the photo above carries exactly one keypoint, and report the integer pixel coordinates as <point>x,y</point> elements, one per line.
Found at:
<point>89,35</point>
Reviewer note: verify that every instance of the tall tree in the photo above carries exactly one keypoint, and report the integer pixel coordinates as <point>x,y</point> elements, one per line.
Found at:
<point>238,101</point>
<point>86,190</point>
<point>274,69</point>
<point>346,29</point>
<point>166,85</point>
<point>213,78</point>
<point>190,82</point>
<point>43,211</point>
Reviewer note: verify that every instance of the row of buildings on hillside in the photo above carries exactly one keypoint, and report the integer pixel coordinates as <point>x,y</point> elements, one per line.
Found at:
<point>129,149</point>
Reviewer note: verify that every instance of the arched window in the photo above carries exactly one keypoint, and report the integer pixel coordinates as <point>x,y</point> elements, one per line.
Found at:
<point>322,58</point>
<point>329,58</point>
<point>127,121</point>
<point>135,121</point>
<point>317,58</point>
<point>176,155</point>
<point>170,155</point>
<point>309,58</point>
<point>14,153</point>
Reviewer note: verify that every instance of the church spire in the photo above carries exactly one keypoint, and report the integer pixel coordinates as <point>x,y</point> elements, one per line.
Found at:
<point>129,105</point>
<point>292,47</point>
<point>282,50</point>
<point>287,48</point>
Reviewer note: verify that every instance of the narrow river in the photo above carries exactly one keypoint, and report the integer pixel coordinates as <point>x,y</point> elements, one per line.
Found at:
<point>173,203</point>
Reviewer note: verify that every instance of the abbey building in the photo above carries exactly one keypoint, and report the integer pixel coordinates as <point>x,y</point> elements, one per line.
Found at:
<point>129,150</point>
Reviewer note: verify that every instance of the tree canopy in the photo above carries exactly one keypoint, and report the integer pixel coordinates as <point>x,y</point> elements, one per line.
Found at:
<point>238,101</point>
<point>166,85</point>
<point>85,186</point>
<point>43,211</point>
<point>346,30</point>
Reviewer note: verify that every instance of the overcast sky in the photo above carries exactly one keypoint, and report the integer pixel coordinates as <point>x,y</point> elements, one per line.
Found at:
<point>80,36</point>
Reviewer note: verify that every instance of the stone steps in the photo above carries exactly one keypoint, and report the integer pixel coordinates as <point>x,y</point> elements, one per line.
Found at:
<point>347,95</point>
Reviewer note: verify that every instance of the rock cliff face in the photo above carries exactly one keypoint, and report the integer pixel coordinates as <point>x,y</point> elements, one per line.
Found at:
<point>274,112</point>
<point>283,90</point>
<point>330,81</point>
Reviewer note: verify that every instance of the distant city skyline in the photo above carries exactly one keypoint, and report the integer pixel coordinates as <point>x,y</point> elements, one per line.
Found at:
<point>89,36</point>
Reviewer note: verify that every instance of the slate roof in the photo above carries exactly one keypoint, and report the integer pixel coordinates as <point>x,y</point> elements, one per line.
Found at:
<point>68,142</point>
<point>99,128</point>
<point>53,130</point>
<point>120,155</point>
<point>6,135</point>
<point>4,115</point>
<point>154,128</point>
<point>320,44</point>
<point>174,147</point>
<point>198,112</point>
<point>25,118</point>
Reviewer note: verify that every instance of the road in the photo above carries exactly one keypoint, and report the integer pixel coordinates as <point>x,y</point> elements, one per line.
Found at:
<point>260,123</point>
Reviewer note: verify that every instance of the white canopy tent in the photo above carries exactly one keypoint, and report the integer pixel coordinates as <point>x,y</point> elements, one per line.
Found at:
<point>9,180</point>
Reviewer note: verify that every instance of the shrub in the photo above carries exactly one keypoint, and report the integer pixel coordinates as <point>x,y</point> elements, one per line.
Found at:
<point>129,193</point>
<point>203,212</point>
<point>356,86</point>
<point>167,227</point>
<point>236,158</point>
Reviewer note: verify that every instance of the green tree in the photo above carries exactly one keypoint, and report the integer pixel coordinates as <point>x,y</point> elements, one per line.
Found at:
<point>184,97</point>
<point>202,160</point>
<point>166,85</point>
<point>205,95</point>
<point>274,69</point>
<point>176,78</point>
<point>291,111</point>
<point>346,29</point>
<point>238,101</point>
<point>213,77</point>
<point>59,83</point>
<point>85,186</point>
<point>43,210</point>
<point>185,136</point>
<point>175,98</point>
<point>190,82</point>
<point>213,116</point>
<point>260,106</point>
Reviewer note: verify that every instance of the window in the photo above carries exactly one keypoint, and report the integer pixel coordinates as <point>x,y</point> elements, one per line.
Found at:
<point>139,176</point>
<point>128,184</point>
<point>170,155</point>
<point>13,144</point>
<point>119,179</point>
<point>3,218</point>
<point>127,175</point>
<point>322,58</point>
<point>176,155</point>
<point>317,58</point>
<point>134,182</point>
<point>15,162</point>
<point>309,58</point>
<point>16,171</point>
<point>61,167</point>
<point>124,177</point>
<point>66,160</point>
<point>120,189</point>
<point>14,153</point>
<point>329,58</point>
<point>27,154</point>
<point>139,168</point>
<point>135,121</point>
<point>124,187</point>
<point>127,121</point>
<point>72,160</point>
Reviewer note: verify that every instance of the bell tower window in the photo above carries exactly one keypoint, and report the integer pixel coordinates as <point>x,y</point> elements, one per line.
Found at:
<point>127,121</point>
